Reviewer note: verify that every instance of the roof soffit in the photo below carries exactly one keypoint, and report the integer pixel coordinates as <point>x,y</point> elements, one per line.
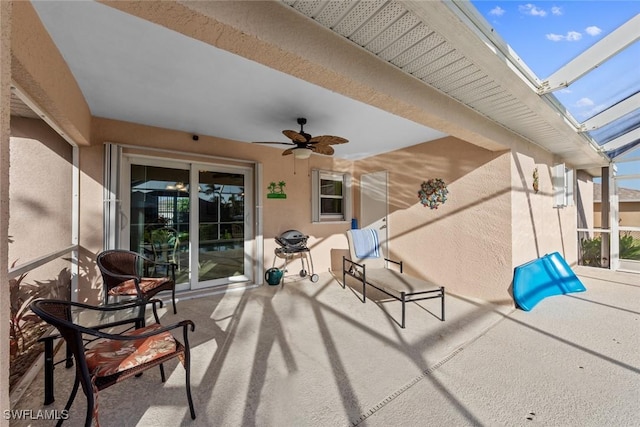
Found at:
<point>275,35</point>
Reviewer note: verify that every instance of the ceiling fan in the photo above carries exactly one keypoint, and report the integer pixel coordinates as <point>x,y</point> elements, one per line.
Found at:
<point>304,144</point>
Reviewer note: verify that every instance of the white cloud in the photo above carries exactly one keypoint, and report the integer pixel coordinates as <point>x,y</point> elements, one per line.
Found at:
<point>593,30</point>
<point>532,9</point>
<point>571,36</point>
<point>556,10</point>
<point>497,11</point>
<point>585,102</point>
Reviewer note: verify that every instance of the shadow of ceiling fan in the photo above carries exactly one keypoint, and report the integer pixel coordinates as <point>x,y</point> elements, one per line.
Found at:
<point>305,144</point>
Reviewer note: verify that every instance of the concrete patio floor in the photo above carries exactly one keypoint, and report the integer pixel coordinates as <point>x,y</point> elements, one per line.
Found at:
<point>311,354</point>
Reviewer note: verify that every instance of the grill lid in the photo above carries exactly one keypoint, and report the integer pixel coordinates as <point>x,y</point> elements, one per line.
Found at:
<point>292,238</point>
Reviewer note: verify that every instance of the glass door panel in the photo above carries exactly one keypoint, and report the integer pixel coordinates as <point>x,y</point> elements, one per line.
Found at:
<point>221,228</point>
<point>159,212</point>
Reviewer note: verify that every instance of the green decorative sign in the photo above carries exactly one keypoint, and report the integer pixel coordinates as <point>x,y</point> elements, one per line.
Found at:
<point>276,191</point>
<point>276,196</point>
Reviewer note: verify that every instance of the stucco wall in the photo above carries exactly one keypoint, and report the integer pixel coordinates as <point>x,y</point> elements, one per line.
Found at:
<point>40,195</point>
<point>537,227</point>
<point>584,200</point>
<point>279,215</point>
<point>5,111</point>
<point>465,244</point>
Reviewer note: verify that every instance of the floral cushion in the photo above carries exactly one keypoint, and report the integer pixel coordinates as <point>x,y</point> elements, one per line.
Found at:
<point>109,357</point>
<point>146,284</point>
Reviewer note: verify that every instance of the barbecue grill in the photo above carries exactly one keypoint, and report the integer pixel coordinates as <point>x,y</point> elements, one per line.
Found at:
<point>293,244</point>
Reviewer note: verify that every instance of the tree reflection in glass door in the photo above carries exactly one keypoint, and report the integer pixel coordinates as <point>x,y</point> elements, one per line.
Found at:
<point>160,217</point>
<point>221,225</point>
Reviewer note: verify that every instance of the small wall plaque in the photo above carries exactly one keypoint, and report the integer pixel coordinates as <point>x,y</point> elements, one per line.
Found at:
<point>276,191</point>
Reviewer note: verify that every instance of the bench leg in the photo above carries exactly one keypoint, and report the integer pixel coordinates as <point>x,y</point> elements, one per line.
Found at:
<point>442,302</point>
<point>364,291</point>
<point>403,300</point>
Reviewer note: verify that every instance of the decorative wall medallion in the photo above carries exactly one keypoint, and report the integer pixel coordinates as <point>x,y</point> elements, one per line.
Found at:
<point>433,193</point>
<point>276,191</point>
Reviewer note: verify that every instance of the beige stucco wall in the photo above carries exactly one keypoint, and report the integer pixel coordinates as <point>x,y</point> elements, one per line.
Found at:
<point>40,194</point>
<point>584,200</point>
<point>279,215</point>
<point>465,244</point>
<point>537,227</point>
<point>5,111</point>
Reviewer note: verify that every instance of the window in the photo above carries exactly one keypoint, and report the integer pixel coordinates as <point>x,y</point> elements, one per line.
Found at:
<point>331,194</point>
<point>562,186</point>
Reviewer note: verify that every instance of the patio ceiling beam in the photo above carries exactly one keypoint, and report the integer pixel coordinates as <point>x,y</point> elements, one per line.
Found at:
<point>612,113</point>
<point>622,140</point>
<point>591,58</point>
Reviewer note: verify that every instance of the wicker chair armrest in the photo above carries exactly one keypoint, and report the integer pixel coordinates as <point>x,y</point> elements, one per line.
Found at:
<point>126,304</point>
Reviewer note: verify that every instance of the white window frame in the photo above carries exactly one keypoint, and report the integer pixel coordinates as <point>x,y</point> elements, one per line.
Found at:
<point>317,176</point>
<point>563,179</point>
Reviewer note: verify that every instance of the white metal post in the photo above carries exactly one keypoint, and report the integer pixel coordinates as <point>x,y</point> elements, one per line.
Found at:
<point>614,216</point>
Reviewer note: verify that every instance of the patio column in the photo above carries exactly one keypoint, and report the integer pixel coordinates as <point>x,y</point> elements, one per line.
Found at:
<point>605,223</point>
<point>5,117</point>
<point>614,218</point>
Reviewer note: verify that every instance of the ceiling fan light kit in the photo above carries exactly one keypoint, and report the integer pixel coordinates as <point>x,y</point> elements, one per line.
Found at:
<point>302,153</point>
<point>304,144</point>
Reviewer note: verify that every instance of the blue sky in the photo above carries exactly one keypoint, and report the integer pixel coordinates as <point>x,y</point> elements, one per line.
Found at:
<point>548,34</point>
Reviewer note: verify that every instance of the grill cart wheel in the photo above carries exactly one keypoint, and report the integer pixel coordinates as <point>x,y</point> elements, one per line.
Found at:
<point>314,278</point>
<point>303,273</point>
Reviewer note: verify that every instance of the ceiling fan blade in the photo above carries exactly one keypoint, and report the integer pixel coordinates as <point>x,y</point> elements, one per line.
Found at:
<point>294,136</point>
<point>288,151</point>
<point>328,139</point>
<point>322,149</point>
<point>265,142</point>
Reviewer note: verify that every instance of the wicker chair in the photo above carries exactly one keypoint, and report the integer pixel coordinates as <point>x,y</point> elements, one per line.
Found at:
<point>112,358</point>
<point>120,276</point>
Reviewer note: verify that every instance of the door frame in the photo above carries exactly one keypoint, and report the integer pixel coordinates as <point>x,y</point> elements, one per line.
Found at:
<point>193,166</point>
<point>374,205</point>
<point>194,223</point>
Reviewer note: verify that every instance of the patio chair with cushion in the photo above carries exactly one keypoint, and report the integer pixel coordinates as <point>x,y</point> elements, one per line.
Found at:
<point>120,276</point>
<point>104,359</point>
<point>368,266</point>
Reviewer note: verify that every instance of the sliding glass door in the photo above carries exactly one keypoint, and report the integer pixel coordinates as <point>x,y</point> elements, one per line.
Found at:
<point>194,215</point>
<point>223,254</point>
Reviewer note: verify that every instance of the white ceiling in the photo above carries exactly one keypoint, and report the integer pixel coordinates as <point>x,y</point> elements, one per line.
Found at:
<point>132,70</point>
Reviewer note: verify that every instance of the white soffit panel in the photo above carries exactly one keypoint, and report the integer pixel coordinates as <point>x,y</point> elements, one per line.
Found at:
<point>389,30</point>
